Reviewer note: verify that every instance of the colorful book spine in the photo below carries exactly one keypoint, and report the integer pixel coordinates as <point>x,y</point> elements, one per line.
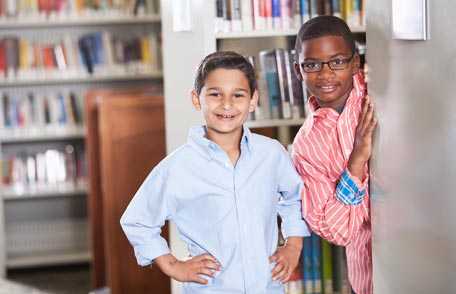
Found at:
<point>327,269</point>
<point>316,265</point>
<point>307,275</point>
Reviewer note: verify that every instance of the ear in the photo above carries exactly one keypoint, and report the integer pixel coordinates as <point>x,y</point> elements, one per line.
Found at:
<point>196,100</point>
<point>254,101</point>
<point>297,71</point>
<point>356,64</point>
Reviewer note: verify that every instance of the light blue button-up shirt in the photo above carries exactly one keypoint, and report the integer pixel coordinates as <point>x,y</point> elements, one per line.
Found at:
<point>227,211</point>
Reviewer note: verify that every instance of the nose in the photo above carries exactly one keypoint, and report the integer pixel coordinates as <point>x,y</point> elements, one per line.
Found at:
<point>227,102</point>
<point>326,71</point>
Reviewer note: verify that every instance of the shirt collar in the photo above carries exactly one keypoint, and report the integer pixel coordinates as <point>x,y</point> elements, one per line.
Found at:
<point>197,137</point>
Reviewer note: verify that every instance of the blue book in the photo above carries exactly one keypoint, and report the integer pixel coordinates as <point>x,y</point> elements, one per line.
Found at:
<point>62,118</point>
<point>316,263</point>
<point>269,66</point>
<point>306,266</point>
<point>304,10</point>
<point>335,8</point>
<point>276,14</point>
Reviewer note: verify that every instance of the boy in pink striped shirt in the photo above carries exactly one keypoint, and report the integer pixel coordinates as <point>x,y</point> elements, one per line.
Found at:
<point>332,148</point>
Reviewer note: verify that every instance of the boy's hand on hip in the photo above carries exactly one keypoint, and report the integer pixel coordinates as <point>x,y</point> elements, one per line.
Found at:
<point>362,147</point>
<point>190,270</point>
<point>286,259</point>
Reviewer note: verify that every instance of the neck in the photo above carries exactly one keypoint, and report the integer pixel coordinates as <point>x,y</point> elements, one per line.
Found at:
<point>230,143</point>
<point>337,105</point>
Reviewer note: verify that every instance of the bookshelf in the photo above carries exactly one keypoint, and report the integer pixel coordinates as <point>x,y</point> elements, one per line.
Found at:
<point>184,48</point>
<point>50,57</point>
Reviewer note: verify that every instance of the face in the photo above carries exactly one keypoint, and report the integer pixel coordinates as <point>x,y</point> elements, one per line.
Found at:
<point>225,101</point>
<point>330,87</point>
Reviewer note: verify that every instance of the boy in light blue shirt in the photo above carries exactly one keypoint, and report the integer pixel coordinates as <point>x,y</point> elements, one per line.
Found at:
<point>223,189</point>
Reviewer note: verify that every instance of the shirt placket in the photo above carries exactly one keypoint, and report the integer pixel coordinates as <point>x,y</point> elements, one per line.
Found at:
<point>234,170</point>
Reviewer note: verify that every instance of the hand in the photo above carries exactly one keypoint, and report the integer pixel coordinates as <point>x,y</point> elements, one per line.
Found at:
<point>286,259</point>
<point>189,270</point>
<point>362,147</point>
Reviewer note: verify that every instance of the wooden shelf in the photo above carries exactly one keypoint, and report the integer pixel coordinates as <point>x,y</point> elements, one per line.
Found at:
<point>17,135</point>
<point>33,192</point>
<point>269,33</point>
<point>268,123</point>
<point>77,80</point>
<point>77,21</point>
<point>54,258</point>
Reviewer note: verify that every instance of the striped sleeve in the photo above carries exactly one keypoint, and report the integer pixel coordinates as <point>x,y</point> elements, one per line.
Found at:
<point>324,213</point>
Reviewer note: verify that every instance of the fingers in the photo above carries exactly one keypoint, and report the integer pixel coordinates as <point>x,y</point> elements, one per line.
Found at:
<point>198,279</point>
<point>368,116</point>
<point>281,272</point>
<point>363,112</point>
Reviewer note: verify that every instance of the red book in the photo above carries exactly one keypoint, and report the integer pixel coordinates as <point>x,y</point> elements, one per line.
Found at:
<point>48,57</point>
<point>2,58</point>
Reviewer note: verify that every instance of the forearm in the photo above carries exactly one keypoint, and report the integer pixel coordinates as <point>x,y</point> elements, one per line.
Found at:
<point>331,219</point>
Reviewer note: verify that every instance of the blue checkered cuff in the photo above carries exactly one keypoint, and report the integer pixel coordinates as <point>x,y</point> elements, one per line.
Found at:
<point>348,192</point>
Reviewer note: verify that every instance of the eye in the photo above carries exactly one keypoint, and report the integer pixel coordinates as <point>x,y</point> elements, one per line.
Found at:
<point>214,94</point>
<point>311,65</point>
<point>338,61</point>
<point>239,95</point>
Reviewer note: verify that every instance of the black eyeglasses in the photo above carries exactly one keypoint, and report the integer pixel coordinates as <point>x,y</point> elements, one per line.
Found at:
<point>334,64</point>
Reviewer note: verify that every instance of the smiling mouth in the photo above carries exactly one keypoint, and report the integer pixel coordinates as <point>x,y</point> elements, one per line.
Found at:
<point>328,88</point>
<point>225,116</point>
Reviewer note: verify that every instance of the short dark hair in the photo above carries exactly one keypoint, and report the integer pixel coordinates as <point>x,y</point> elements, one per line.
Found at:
<point>321,26</point>
<point>225,60</point>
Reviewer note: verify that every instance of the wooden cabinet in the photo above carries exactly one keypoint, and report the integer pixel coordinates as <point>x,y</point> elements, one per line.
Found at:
<point>126,139</point>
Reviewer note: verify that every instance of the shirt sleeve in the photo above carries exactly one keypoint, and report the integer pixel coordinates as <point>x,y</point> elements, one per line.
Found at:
<point>324,212</point>
<point>289,205</point>
<point>145,216</point>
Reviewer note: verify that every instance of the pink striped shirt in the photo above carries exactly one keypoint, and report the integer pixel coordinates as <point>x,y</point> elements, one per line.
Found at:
<point>321,151</point>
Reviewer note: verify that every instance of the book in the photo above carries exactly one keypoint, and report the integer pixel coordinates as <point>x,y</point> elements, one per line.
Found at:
<point>246,15</point>
<point>269,67</point>
<point>306,265</point>
<point>326,267</point>
<point>316,265</point>
<point>281,56</point>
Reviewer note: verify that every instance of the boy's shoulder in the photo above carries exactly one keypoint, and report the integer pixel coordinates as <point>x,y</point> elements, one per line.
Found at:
<point>265,143</point>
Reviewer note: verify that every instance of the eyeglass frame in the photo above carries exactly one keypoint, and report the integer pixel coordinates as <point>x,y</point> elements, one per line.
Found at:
<point>347,60</point>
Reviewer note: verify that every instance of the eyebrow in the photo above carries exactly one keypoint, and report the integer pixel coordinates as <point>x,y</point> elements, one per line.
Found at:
<point>219,89</point>
<point>331,57</point>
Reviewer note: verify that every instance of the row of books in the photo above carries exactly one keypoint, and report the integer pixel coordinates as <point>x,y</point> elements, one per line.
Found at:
<point>282,95</point>
<point>60,9</point>
<point>93,53</point>
<point>50,167</point>
<point>323,269</point>
<point>248,15</point>
<point>40,110</point>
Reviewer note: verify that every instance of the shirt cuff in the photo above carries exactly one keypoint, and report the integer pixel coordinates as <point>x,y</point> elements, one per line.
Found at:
<point>300,230</point>
<point>350,190</point>
<point>145,254</point>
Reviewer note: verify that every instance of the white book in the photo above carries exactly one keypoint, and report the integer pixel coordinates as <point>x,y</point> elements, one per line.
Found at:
<point>247,15</point>
<point>220,15</point>
<point>154,52</point>
<point>41,173</point>
<point>71,54</point>
<point>11,7</point>
<point>108,49</point>
<point>39,110</point>
<point>236,18</point>
<point>259,21</point>
<point>285,12</point>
